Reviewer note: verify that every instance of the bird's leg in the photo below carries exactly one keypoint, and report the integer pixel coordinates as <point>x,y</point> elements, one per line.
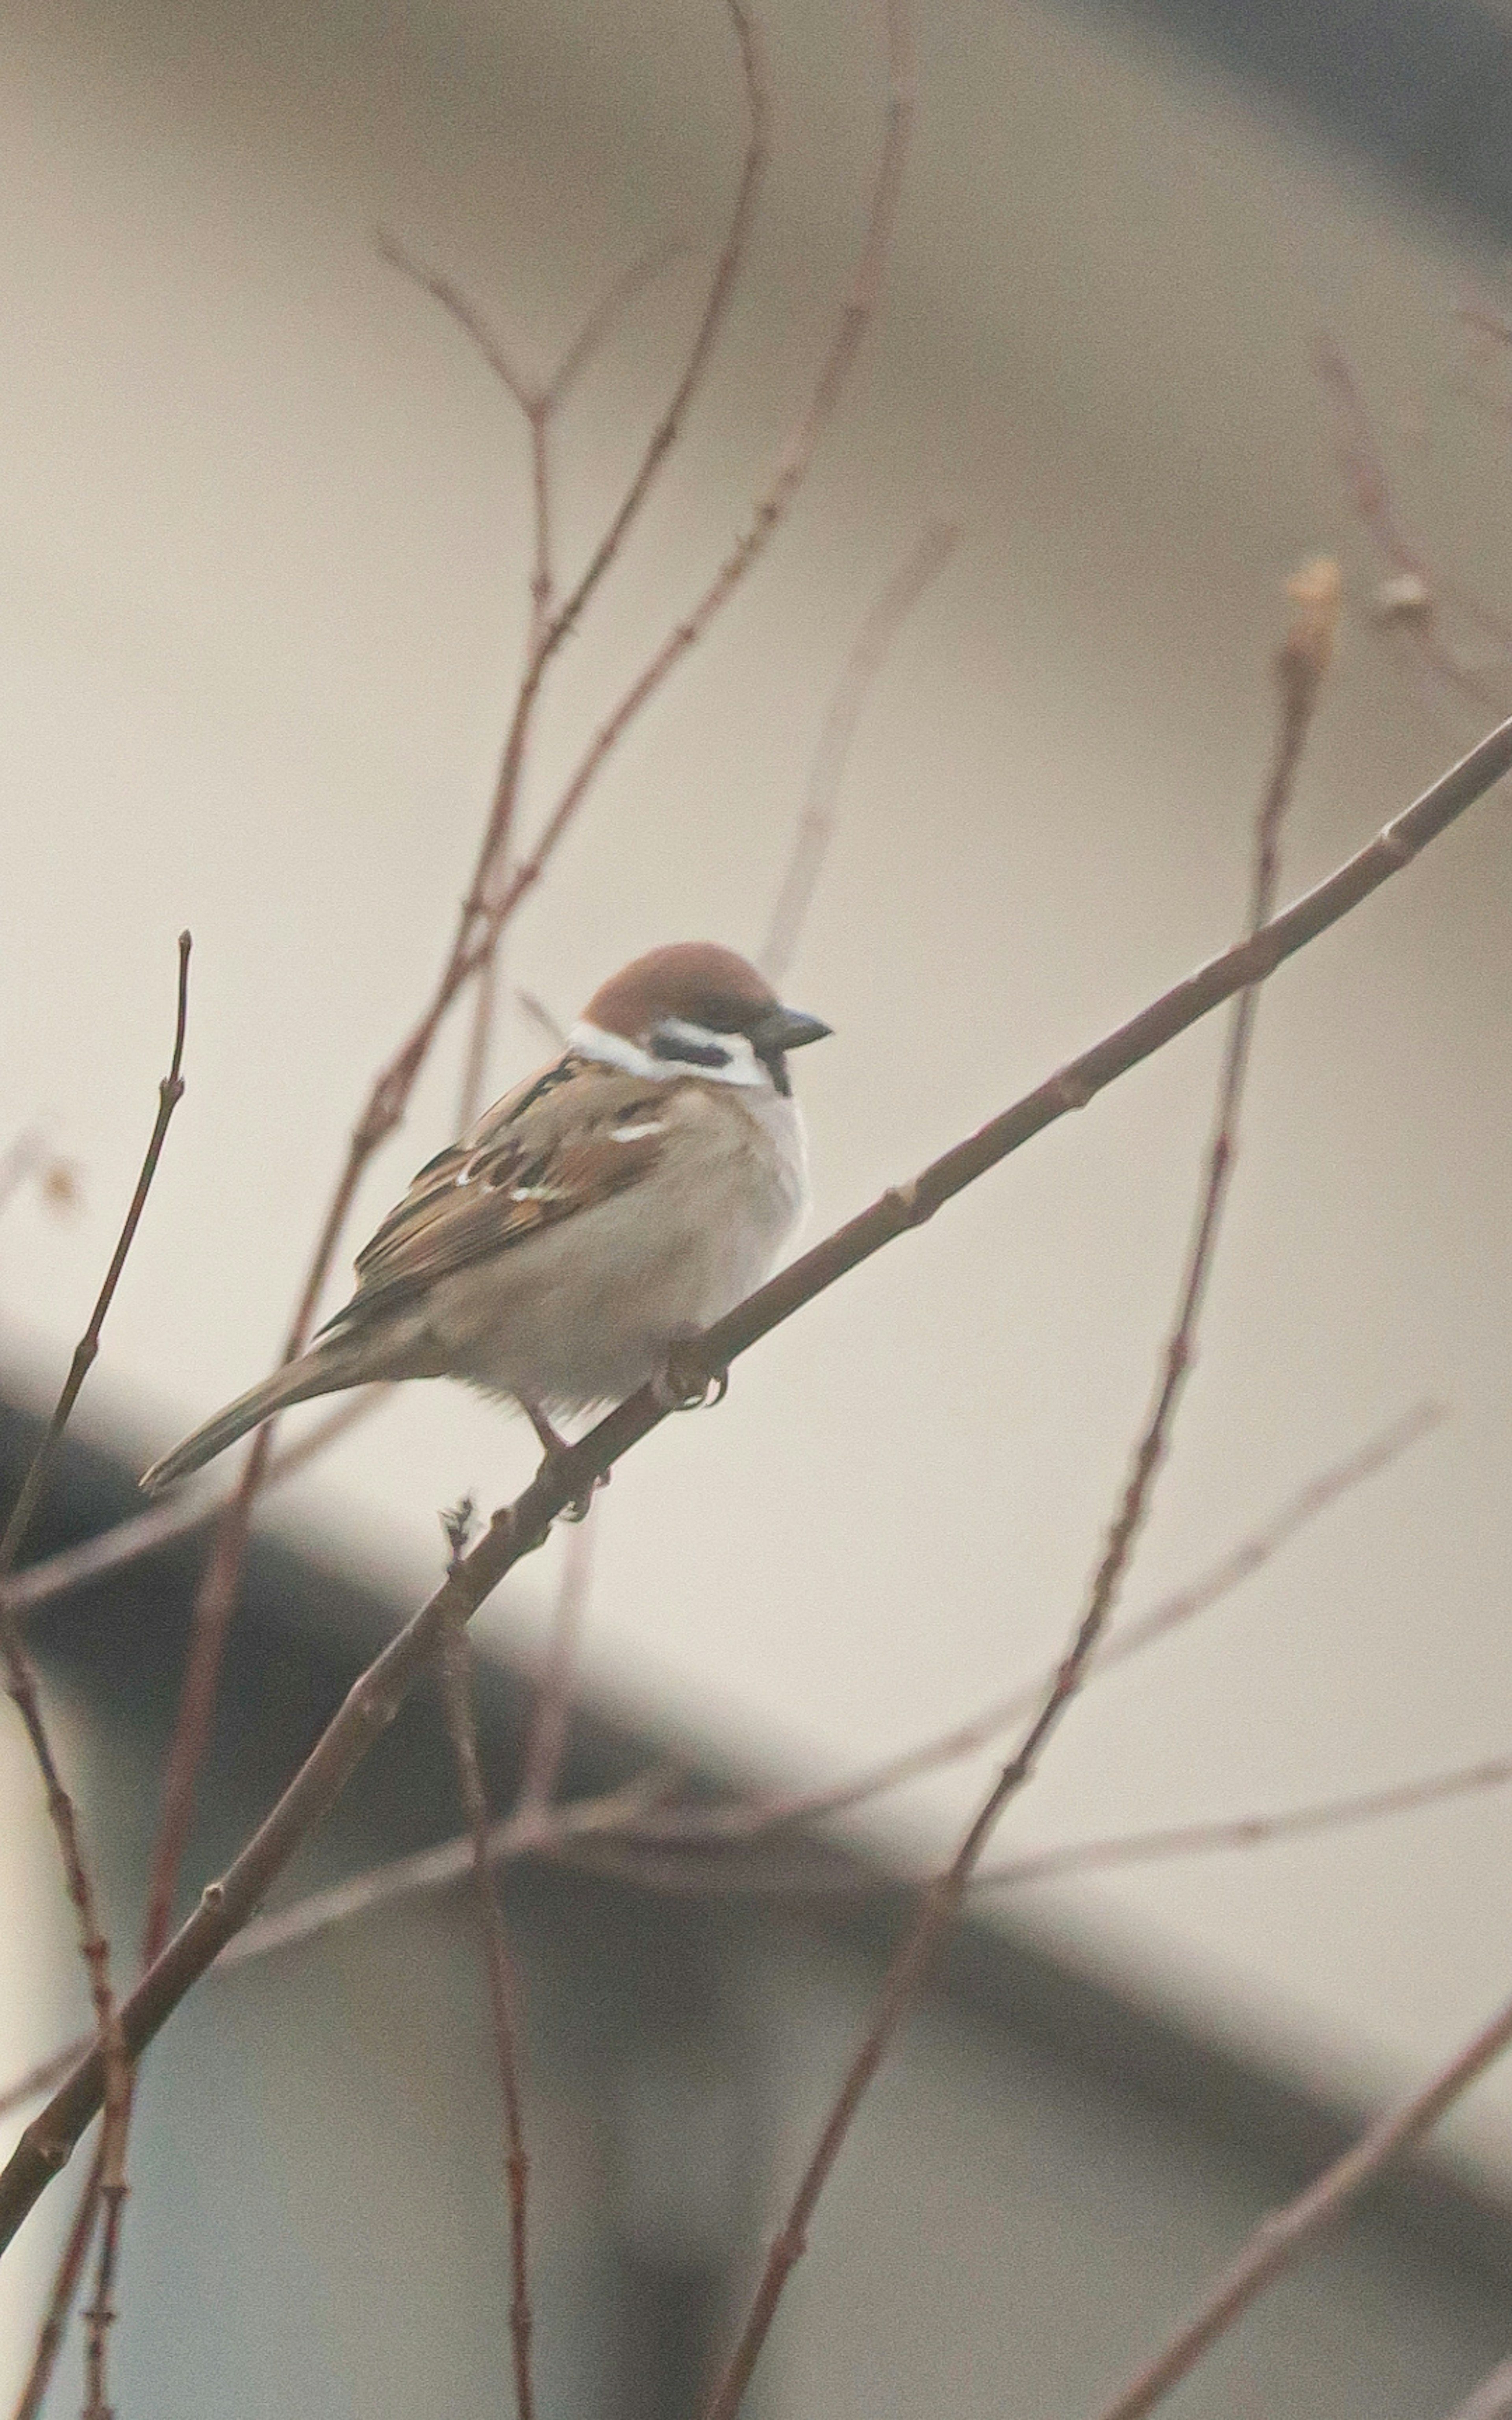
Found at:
<point>675,1387</point>
<point>553,1446</point>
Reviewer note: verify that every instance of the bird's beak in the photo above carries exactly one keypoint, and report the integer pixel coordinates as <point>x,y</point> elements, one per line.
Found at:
<point>778,1029</point>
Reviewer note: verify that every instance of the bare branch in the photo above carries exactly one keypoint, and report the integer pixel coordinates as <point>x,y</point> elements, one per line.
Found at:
<point>164,1525</point>
<point>1300,666</point>
<point>108,2189</point>
<point>791,468</point>
<point>517,1528</point>
<point>926,560</point>
<point>1249,1831</point>
<point>60,2300</point>
<point>504,1994</point>
<point>1280,2237</point>
<point>1416,590</point>
<point>546,1742</point>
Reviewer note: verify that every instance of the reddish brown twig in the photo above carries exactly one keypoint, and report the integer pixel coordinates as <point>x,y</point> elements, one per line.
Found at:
<point>538,402</point>
<point>516,1530</point>
<point>774,503</point>
<point>60,2299</point>
<point>1280,2237</point>
<point>1300,666</point>
<point>478,925</point>
<point>815,830</point>
<point>107,2189</point>
<point>504,1995</point>
<point>607,1833</point>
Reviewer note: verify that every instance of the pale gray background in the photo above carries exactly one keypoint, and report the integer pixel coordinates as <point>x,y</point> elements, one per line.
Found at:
<point>261,550</point>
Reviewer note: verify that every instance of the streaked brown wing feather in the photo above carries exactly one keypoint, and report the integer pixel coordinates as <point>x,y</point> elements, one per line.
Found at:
<point>563,1141</point>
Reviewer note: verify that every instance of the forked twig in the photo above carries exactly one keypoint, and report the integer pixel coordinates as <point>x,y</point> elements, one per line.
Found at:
<point>1301,666</point>
<point>516,1529</point>
<point>1281,2236</point>
<point>774,503</point>
<point>504,1995</point>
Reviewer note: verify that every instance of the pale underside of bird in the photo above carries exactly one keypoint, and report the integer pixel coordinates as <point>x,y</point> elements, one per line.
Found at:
<point>624,1195</point>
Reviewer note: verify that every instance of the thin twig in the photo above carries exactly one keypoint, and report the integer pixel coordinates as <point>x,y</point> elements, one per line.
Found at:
<point>516,1529</point>
<point>1249,1831</point>
<point>217,1596</point>
<point>1284,2233</point>
<point>791,468</point>
<point>1364,469</point>
<point>547,1740</point>
<point>65,2286</point>
<point>611,1835</point>
<point>1300,666</point>
<point>170,1092</point>
<point>504,1994</point>
<point>926,560</point>
<point>744,1819</point>
<point>107,2188</point>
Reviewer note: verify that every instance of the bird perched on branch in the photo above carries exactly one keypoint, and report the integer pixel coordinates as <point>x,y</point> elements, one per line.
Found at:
<point>628,1194</point>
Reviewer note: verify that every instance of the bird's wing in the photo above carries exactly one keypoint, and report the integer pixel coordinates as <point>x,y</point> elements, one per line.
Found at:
<point>563,1141</point>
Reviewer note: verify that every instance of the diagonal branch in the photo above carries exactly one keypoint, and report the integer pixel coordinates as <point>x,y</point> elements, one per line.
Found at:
<point>1279,2238</point>
<point>518,1528</point>
<point>1300,666</point>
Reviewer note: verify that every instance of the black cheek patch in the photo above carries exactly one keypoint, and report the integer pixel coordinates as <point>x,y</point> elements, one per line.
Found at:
<point>688,1054</point>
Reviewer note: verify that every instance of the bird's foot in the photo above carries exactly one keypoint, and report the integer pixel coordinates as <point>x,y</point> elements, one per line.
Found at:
<point>683,1384</point>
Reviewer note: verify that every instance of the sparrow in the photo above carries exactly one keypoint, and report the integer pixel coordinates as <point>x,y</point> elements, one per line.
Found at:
<point>619,1200</point>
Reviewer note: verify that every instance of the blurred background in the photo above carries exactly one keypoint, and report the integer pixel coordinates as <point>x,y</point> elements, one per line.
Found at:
<point>264,552</point>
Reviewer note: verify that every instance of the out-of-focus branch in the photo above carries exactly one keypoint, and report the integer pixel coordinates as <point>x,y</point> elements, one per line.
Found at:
<point>1301,666</point>
<point>519,1528</point>
<point>1411,599</point>
<point>745,1821</point>
<point>1491,2400</point>
<point>1249,1831</point>
<point>164,1525</point>
<point>547,1740</point>
<point>504,1995</point>
<point>1280,2237</point>
<point>612,1835</point>
<point>107,2188</point>
<point>926,560</point>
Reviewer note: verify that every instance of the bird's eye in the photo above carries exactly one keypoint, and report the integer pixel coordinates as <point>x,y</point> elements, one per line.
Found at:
<point>688,1052</point>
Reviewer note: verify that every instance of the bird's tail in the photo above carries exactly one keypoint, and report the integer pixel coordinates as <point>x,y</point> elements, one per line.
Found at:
<point>317,1373</point>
